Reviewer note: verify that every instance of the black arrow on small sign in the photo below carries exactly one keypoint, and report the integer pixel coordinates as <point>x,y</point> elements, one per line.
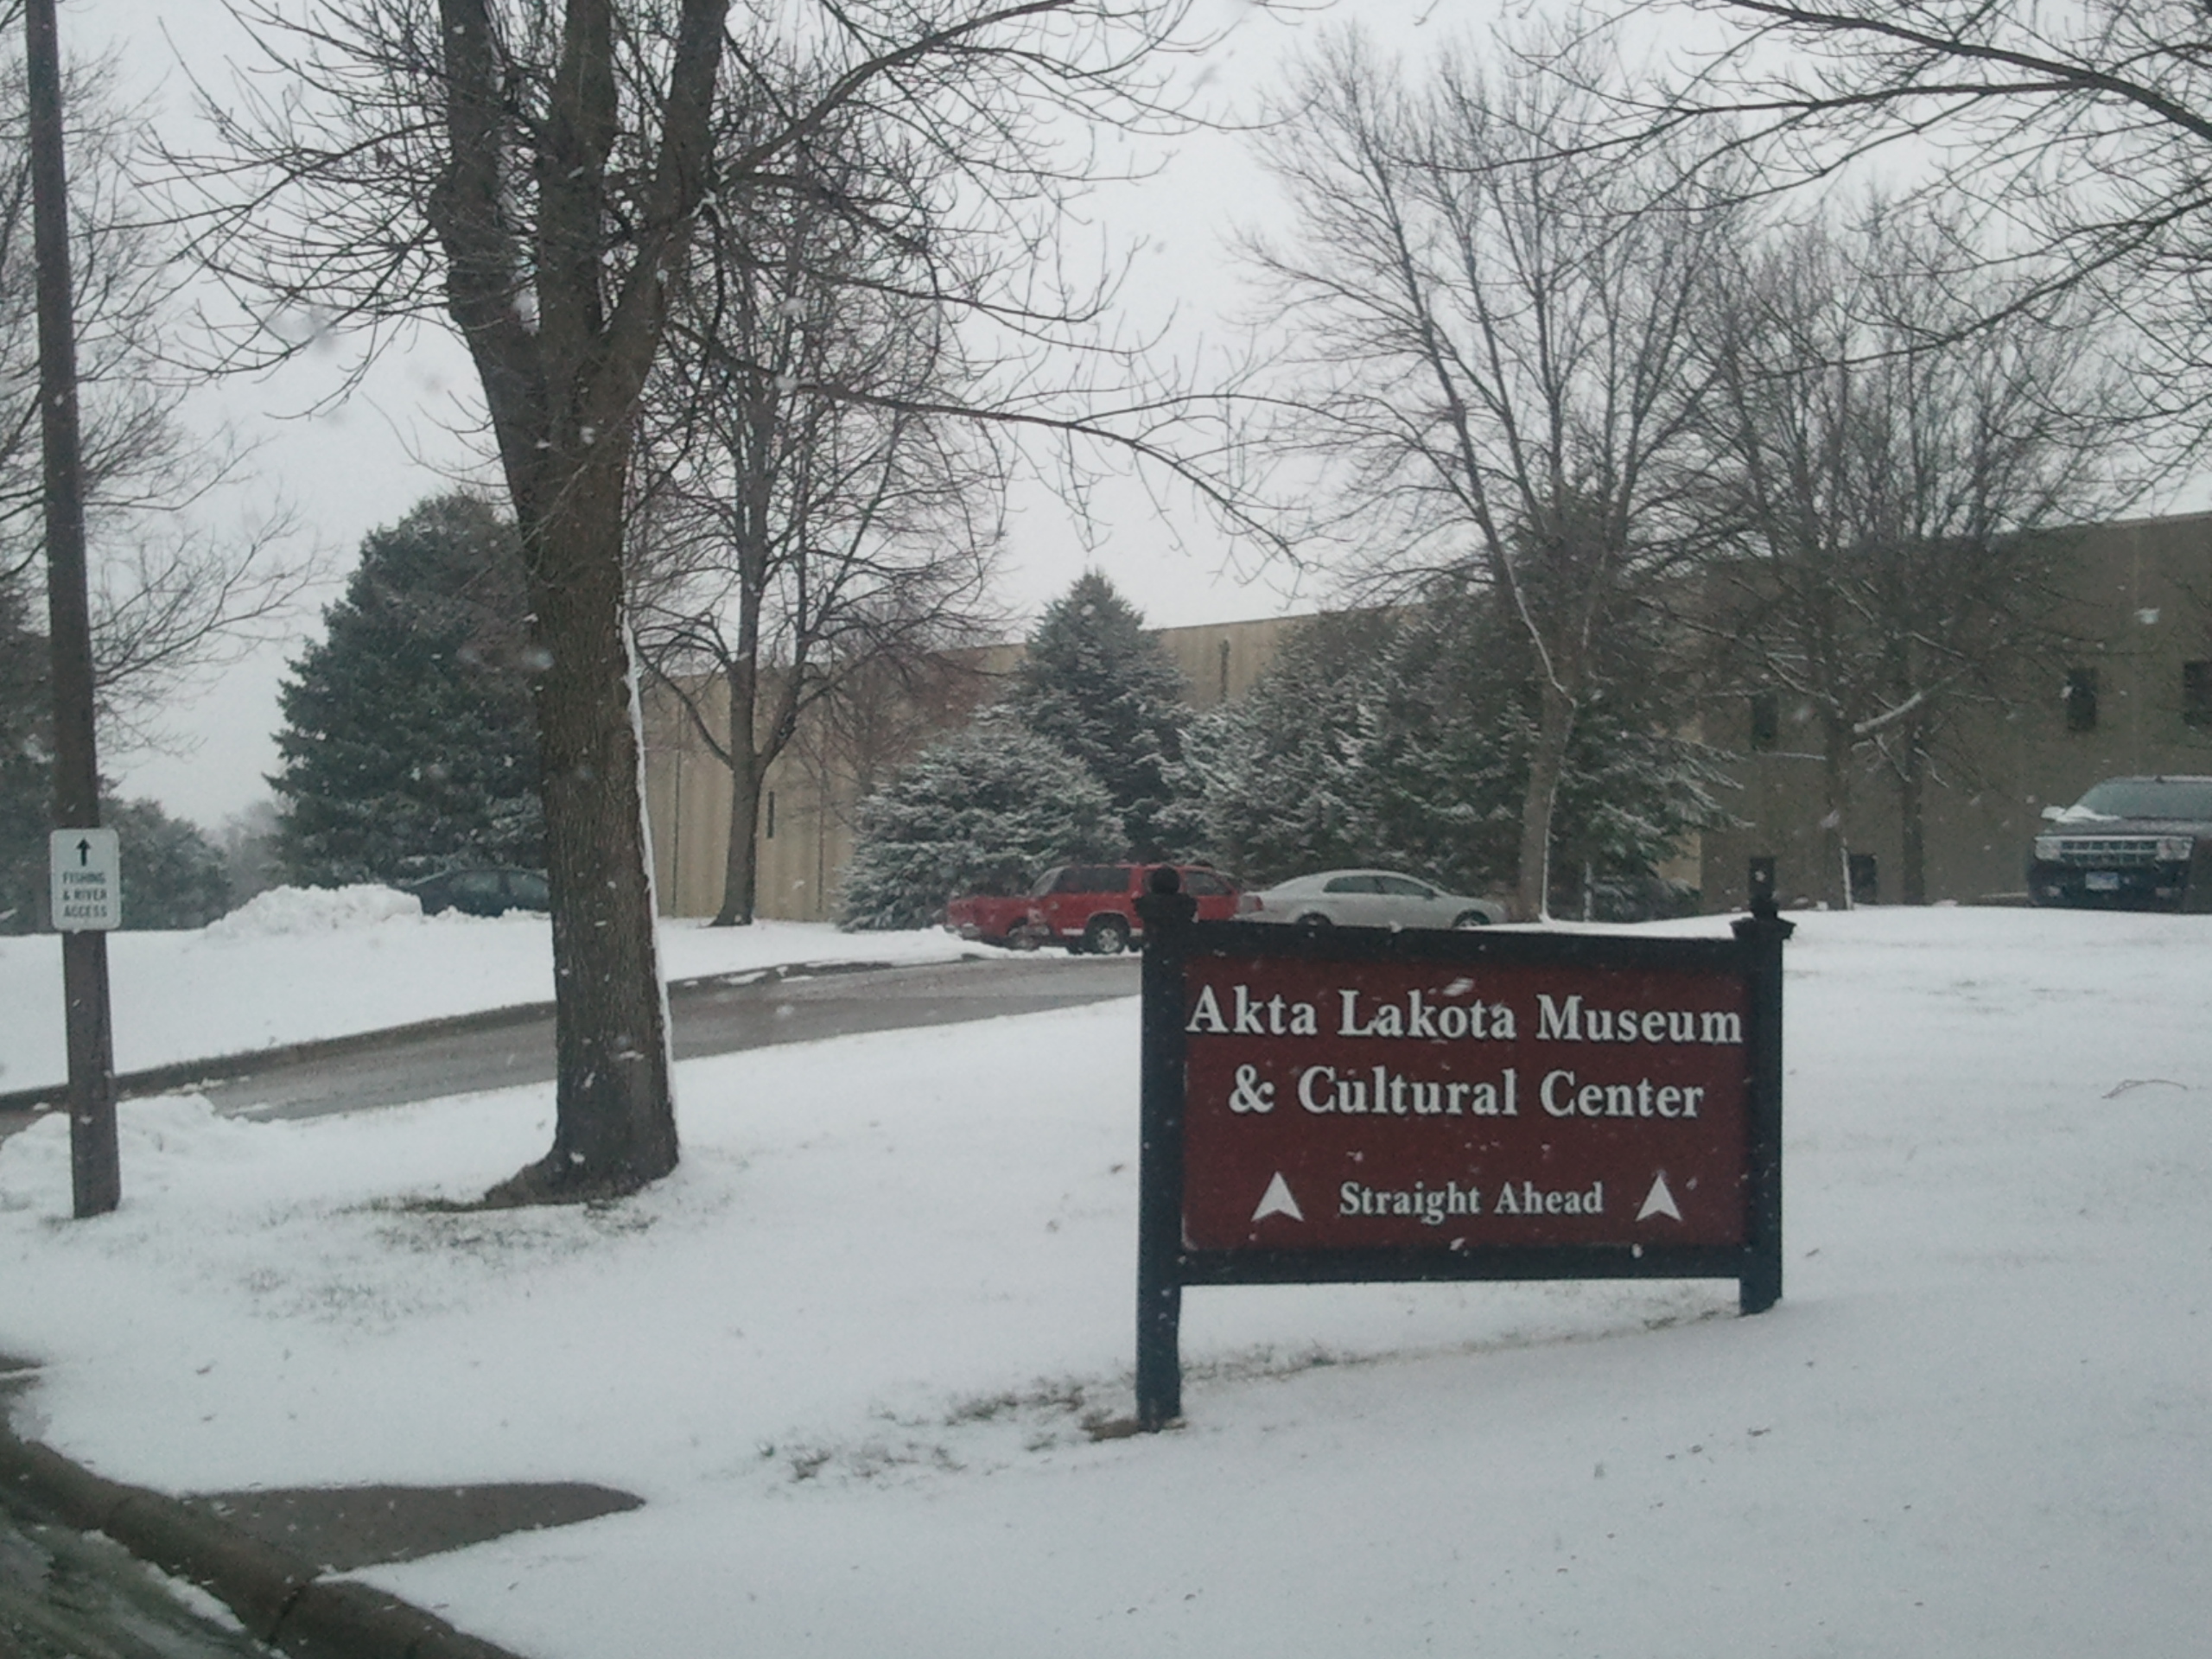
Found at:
<point>84,854</point>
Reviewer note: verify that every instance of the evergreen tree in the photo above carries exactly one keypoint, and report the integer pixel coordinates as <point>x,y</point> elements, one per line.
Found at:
<point>1096,685</point>
<point>1404,739</point>
<point>1282,778</point>
<point>172,875</point>
<point>984,810</point>
<point>408,745</point>
<point>1630,786</point>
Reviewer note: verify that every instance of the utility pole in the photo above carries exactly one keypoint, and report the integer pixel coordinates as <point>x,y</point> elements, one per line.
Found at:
<point>95,1170</point>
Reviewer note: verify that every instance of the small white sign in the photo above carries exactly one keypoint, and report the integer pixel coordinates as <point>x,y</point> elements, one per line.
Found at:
<point>87,871</point>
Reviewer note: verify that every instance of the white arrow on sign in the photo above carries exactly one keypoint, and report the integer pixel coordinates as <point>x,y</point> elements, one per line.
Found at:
<point>1659,1201</point>
<point>1277,1201</point>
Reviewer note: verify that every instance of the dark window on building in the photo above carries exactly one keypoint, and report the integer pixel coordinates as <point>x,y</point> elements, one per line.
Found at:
<point>2196,693</point>
<point>2081,699</point>
<point>1766,720</point>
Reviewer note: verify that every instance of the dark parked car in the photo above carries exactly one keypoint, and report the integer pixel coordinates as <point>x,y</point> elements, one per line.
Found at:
<point>2130,843</point>
<point>480,892</point>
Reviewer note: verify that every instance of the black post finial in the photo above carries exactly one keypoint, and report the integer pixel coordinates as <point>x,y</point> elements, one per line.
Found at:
<point>1760,882</point>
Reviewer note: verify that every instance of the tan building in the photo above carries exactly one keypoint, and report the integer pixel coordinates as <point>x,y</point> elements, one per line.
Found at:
<point>2133,694</point>
<point>2135,697</point>
<point>806,830</point>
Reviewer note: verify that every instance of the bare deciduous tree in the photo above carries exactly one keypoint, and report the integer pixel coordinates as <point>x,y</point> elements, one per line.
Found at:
<point>169,596</point>
<point>1901,473</point>
<point>2080,135</point>
<point>820,517</point>
<point>534,175</point>
<point>1491,298</point>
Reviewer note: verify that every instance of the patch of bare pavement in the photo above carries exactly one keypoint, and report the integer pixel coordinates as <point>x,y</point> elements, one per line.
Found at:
<point>721,1014</point>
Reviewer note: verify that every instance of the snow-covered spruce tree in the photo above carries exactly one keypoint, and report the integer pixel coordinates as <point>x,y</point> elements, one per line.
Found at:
<point>408,745</point>
<point>1403,739</point>
<point>983,811</point>
<point>1630,786</point>
<point>1281,777</point>
<point>1097,685</point>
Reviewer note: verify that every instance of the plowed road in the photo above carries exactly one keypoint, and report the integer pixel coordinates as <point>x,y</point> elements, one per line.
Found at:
<point>714,1016</point>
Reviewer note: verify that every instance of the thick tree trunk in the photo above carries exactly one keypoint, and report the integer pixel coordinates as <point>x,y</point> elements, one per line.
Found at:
<point>561,386</point>
<point>1547,765</point>
<point>614,1122</point>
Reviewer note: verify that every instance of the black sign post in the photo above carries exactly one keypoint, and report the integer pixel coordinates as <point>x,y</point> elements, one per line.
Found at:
<point>1168,915</point>
<point>1357,1104</point>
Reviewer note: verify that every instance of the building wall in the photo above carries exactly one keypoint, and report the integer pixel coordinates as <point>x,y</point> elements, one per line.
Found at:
<point>806,830</point>
<point>2140,598</point>
<point>2137,603</point>
<point>803,837</point>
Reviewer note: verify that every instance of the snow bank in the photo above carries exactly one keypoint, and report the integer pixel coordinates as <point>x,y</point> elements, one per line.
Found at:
<point>848,1351</point>
<point>314,909</point>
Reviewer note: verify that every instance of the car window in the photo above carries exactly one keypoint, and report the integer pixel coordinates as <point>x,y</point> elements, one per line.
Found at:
<point>477,884</point>
<point>1351,884</point>
<point>1048,882</point>
<point>1094,878</point>
<point>1204,881</point>
<point>528,890</point>
<point>1404,886</point>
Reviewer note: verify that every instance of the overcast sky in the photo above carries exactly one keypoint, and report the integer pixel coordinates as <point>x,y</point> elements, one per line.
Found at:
<point>348,469</point>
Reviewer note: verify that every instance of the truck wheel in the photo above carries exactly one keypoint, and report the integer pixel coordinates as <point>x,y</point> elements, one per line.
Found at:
<point>1107,936</point>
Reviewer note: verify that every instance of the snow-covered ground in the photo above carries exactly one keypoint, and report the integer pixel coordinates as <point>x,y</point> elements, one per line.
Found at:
<point>294,965</point>
<point>847,1353</point>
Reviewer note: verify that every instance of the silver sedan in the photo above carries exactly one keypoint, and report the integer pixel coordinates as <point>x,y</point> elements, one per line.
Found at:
<point>1366,898</point>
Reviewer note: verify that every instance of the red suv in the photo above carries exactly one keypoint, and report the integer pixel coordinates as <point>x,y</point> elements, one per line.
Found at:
<point>1087,907</point>
<point>1092,907</point>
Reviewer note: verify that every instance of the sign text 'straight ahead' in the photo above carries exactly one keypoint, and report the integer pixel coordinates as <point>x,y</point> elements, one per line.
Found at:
<point>1353,1103</point>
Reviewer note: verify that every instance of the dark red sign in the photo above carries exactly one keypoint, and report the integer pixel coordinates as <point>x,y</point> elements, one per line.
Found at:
<point>1332,1104</point>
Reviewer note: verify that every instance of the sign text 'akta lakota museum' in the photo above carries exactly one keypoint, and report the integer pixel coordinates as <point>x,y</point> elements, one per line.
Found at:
<point>1340,1105</point>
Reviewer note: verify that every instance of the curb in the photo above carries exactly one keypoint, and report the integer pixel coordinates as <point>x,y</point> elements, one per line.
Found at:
<point>159,1079</point>
<point>281,1598</point>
